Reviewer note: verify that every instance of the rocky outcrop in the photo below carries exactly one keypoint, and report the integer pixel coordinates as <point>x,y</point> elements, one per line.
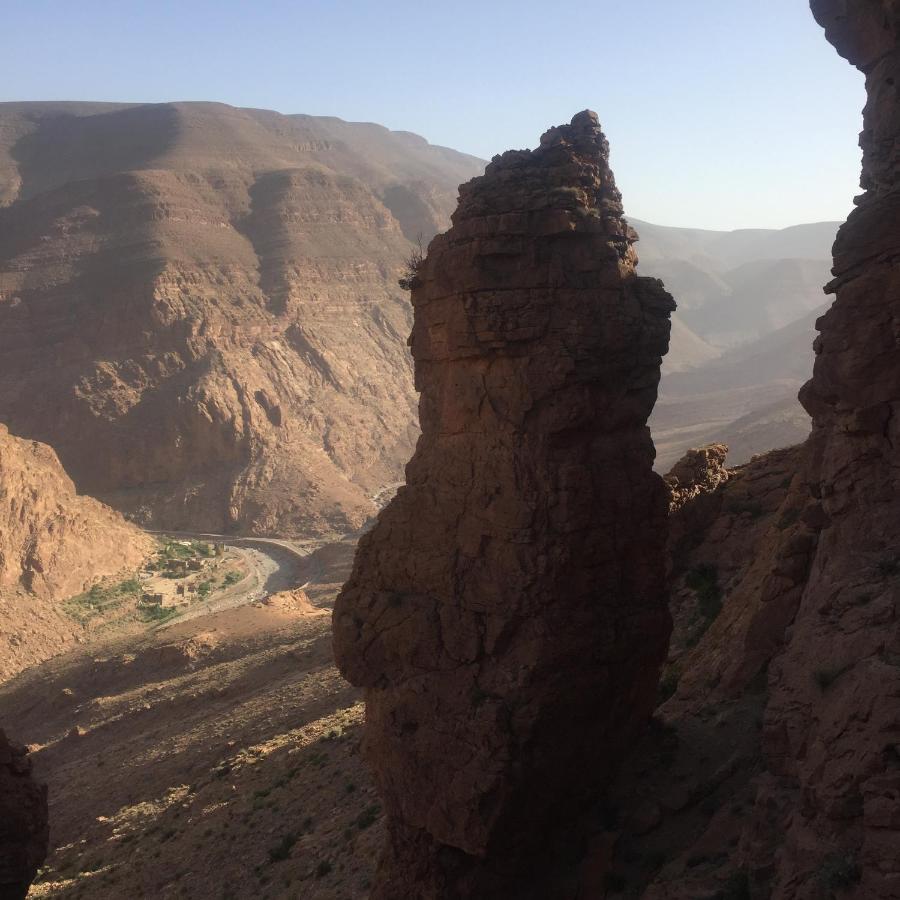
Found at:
<point>199,309</point>
<point>53,544</point>
<point>507,613</point>
<point>24,833</point>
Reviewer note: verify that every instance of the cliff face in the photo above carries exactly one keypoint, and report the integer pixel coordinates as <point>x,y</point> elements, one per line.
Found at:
<point>216,290</point>
<point>832,732</point>
<point>783,728</point>
<point>24,833</point>
<point>53,544</point>
<point>507,614</point>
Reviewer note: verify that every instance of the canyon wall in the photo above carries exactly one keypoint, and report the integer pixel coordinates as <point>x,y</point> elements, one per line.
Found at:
<point>779,773</point>
<point>199,309</point>
<point>53,544</point>
<point>507,614</point>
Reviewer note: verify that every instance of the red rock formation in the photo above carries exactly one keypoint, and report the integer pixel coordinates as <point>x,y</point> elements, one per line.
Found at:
<point>24,834</point>
<point>507,613</point>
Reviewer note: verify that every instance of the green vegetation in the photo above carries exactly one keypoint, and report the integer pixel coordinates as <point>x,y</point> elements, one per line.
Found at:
<point>231,578</point>
<point>282,850</point>
<point>369,816</point>
<point>101,598</point>
<point>157,614</point>
<point>668,684</point>
<point>323,868</point>
<point>204,589</point>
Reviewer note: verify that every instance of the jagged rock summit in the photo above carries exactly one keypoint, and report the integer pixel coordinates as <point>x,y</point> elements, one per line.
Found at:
<point>507,614</point>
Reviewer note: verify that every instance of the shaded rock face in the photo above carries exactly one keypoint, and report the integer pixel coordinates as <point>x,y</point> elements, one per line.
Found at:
<point>507,613</point>
<point>804,656</point>
<point>24,833</point>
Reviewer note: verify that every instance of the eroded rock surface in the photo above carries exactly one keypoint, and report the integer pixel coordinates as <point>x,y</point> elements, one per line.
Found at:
<point>507,613</point>
<point>53,543</point>
<point>24,833</point>
<point>781,774</point>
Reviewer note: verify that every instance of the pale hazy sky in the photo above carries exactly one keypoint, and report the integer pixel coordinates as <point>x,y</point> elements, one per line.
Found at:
<point>721,114</point>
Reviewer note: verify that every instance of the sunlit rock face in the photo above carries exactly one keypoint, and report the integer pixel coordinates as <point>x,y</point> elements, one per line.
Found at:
<point>507,614</point>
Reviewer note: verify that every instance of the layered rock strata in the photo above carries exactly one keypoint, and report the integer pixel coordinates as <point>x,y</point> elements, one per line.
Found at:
<point>507,613</point>
<point>24,833</point>
<point>199,307</point>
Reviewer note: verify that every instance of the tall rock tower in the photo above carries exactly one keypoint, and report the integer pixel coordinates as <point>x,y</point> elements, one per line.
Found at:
<point>507,614</point>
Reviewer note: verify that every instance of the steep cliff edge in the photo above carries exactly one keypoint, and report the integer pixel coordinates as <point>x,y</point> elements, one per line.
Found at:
<point>216,289</point>
<point>53,543</point>
<point>507,614</point>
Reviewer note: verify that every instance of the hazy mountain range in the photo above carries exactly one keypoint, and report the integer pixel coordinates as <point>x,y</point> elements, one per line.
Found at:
<point>199,310</point>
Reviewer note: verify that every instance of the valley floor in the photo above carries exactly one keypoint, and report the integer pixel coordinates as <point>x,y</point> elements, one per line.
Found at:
<point>216,757</point>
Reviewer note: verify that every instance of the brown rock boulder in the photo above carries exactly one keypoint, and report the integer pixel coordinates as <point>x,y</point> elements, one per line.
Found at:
<point>24,833</point>
<point>507,613</point>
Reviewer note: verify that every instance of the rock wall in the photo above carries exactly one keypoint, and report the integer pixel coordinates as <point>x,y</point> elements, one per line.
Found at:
<point>507,614</point>
<point>784,723</point>
<point>24,833</point>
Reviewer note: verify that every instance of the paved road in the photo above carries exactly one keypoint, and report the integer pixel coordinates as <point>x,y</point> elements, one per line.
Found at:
<point>274,565</point>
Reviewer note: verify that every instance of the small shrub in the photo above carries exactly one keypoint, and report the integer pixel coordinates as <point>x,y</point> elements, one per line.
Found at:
<point>668,684</point>
<point>282,850</point>
<point>204,589</point>
<point>826,677</point>
<point>838,871</point>
<point>323,868</point>
<point>231,578</point>
<point>410,277</point>
<point>368,817</point>
<point>703,580</point>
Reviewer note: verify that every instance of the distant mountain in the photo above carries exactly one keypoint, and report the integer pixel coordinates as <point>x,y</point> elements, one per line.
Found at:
<point>742,335</point>
<point>199,309</point>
